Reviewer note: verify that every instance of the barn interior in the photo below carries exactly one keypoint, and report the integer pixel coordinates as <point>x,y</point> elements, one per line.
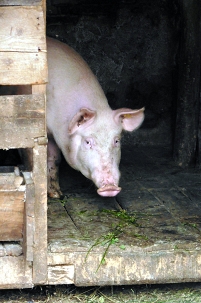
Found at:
<point>138,50</point>
<point>144,54</point>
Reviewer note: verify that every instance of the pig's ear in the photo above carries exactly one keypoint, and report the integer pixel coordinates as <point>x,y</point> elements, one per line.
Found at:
<point>82,118</point>
<point>129,118</point>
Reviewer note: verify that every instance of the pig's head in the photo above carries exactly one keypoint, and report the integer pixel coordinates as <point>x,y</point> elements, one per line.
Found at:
<point>94,147</point>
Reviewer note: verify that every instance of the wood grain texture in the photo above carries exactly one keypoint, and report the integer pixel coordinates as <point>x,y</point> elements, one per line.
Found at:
<point>23,68</point>
<point>15,273</point>
<point>157,215</point>
<point>24,34</point>
<point>11,212</point>
<point>20,2</point>
<point>40,213</point>
<point>22,120</point>
<point>23,58</point>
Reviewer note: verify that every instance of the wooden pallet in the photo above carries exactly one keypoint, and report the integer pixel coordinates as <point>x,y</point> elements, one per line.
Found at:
<point>23,195</point>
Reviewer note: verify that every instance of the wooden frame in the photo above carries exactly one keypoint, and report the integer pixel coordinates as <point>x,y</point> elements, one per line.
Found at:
<point>23,61</point>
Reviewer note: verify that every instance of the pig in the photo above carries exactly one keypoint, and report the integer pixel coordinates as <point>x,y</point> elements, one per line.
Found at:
<point>81,124</point>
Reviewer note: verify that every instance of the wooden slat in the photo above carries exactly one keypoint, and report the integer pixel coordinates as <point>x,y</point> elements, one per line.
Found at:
<point>20,2</point>
<point>138,268</point>
<point>21,68</point>
<point>38,89</point>
<point>11,215</point>
<point>29,219</point>
<point>22,119</point>
<point>60,229</point>
<point>40,213</point>
<point>60,274</point>
<point>10,181</point>
<point>22,34</point>
<point>15,273</point>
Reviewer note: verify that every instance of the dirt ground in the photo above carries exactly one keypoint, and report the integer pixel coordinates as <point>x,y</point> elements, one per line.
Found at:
<point>182,293</point>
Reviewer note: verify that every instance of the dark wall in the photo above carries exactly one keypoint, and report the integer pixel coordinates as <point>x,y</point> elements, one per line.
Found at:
<point>131,46</point>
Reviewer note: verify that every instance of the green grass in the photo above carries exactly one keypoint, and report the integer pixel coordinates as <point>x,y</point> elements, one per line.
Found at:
<point>179,293</point>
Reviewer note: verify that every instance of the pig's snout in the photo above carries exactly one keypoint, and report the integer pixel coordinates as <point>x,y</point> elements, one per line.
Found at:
<point>107,181</point>
<point>109,190</point>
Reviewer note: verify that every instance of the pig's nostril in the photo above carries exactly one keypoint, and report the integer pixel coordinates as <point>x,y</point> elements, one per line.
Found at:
<point>109,190</point>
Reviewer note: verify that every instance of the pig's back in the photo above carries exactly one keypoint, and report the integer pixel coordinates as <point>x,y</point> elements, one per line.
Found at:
<point>71,86</point>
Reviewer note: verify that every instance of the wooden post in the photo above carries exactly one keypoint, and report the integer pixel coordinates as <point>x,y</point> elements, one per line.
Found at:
<point>40,208</point>
<point>187,116</point>
<point>23,62</point>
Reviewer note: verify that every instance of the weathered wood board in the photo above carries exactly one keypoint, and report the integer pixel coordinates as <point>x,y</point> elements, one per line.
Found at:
<point>11,215</point>
<point>20,2</point>
<point>149,233</point>
<point>18,68</point>
<point>15,36</point>
<point>12,200</point>
<point>23,45</point>
<point>22,120</point>
<point>14,270</point>
<point>23,200</point>
<point>40,212</point>
<point>15,273</point>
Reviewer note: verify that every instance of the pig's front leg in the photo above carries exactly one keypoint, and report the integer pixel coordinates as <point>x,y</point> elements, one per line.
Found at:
<point>53,160</point>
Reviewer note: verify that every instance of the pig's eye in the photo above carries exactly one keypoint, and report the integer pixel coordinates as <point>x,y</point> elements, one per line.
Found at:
<point>117,142</point>
<point>88,143</point>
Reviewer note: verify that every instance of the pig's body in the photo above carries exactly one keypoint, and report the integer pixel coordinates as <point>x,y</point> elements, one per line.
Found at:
<point>80,122</point>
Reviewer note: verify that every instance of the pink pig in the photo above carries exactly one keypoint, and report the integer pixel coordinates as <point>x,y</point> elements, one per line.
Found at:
<point>81,124</point>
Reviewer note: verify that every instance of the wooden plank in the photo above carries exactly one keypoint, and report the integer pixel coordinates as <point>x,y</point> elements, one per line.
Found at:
<point>20,2</point>
<point>136,264</point>
<point>61,228</point>
<point>142,267</point>
<point>44,8</point>
<point>160,245</point>
<point>60,274</point>
<point>186,211</point>
<point>11,215</point>
<point>24,34</point>
<point>29,219</point>
<point>40,213</point>
<point>38,89</point>
<point>22,120</point>
<point>15,273</point>
<point>21,68</point>
<point>10,180</point>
